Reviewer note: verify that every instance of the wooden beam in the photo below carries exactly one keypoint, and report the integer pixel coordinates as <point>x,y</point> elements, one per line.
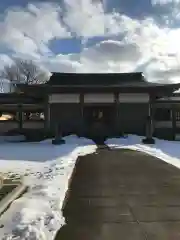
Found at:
<point>117,114</point>
<point>81,100</point>
<point>46,114</point>
<point>173,122</point>
<point>20,119</point>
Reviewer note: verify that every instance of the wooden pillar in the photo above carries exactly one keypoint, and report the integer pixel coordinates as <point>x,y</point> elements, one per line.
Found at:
<point>46,114</point>
<point>151,128</point>
<point>58,140</point>
<point>117,114</point>
<point>58,136</point>
<point>173,119</point>
<point>81,132</point>
<point>81,100</point>
<point>20,116</point>
<point>149,123</point>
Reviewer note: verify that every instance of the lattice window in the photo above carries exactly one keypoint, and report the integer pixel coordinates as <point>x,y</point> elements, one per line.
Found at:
<point>177,115</point>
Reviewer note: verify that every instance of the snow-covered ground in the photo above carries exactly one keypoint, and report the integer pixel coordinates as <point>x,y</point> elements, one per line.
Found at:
<point>47,169</point>
<point>168,151</point>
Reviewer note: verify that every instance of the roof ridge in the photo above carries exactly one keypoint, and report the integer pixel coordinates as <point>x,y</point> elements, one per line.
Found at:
<point>89,78</point>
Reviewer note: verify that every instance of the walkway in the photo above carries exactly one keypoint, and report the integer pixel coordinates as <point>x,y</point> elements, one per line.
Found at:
<point>123,194</point>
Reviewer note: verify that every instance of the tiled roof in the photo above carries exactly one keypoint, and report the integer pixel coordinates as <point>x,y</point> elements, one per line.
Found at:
<point>90,79</point>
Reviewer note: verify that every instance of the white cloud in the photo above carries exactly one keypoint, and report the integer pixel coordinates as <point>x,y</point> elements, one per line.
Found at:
<point>143,44</point>
<point>4,83</point>
<point>4,60</point>
<point>148,44</point>
<point>17,42</point>
<point>28,31</point>
<point>107,56</point>
<point>41,22</point>
<point>113,50</point>
<point>62,63</point>
<point>86,18</point>
<point>110,56</point>
<point>163,2</point>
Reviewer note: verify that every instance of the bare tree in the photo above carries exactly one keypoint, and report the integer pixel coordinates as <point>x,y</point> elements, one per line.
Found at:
<point>24,71</point>
<point>31,73</point>
<point>12,74</point>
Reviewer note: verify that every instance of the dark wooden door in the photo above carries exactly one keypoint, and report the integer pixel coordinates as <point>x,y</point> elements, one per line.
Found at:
<point>99,120</point>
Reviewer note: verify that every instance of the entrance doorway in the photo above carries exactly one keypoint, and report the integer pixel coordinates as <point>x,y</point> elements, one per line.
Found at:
<point>99,121</point>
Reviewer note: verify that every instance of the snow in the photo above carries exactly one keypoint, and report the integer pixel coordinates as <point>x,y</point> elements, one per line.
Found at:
<point>168,151</point>
<point>47,169</point>
<point>17,138</point>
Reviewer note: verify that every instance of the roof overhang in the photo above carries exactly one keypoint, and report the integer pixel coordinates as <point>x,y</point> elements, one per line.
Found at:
<point>150,88</point>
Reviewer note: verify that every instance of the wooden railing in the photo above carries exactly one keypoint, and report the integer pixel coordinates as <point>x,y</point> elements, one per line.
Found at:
<point>165,124</point>
<point>7,125</point>
<point>33,124</point>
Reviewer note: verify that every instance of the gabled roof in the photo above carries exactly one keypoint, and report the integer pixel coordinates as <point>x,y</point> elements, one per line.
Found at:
<point>98,82</point>
<point>94,79</point>
<point>130,80</point>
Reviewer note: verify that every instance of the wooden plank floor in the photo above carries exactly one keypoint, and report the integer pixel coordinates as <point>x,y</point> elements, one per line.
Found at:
<point>123,194</point>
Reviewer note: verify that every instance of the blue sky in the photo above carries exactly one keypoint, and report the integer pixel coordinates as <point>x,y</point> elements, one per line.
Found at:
<point>10,3</point>
<point>136,9</point>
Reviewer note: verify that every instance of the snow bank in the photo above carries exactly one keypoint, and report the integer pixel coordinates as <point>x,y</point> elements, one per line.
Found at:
<point>168,151</point>
<point>47,170</point>
<point>17,138</point>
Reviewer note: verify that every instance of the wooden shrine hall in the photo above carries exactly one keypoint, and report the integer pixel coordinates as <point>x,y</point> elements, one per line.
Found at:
<point>101,105</point>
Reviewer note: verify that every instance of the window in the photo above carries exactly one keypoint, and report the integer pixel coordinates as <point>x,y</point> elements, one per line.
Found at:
<point>36,116</point>
<point>163,114</point>
<point>7,116</point>
<point>177,114</point>
<point>29,116</point>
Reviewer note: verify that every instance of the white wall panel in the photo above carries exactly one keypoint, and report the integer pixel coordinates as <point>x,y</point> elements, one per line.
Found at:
<point>175,98</point>
<point>64,98</point>
<point>99,98</point>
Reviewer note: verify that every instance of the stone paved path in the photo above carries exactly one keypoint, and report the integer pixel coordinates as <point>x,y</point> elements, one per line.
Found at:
<point>123,194</point>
